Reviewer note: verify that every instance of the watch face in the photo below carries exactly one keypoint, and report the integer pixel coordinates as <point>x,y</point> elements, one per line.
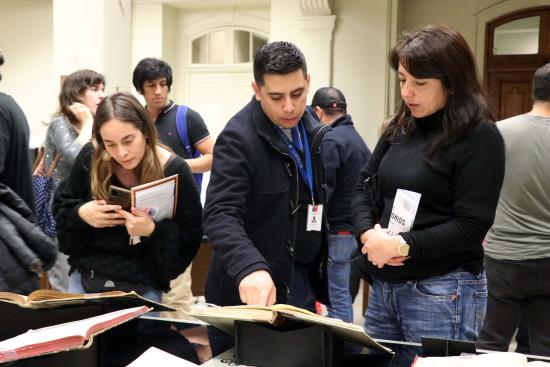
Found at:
<point>403,250</point>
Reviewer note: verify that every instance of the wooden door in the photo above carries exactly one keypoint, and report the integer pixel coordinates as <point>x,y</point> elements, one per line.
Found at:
<point>517,45</point>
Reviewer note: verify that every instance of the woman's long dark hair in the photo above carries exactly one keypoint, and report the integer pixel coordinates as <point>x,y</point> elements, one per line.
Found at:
<point>73,89</point>
<point>124,107</point>
<point>442,53</point>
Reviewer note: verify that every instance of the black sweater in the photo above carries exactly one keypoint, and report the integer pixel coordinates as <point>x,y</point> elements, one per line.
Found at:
<point>459,197</point>
<point>157,259</point>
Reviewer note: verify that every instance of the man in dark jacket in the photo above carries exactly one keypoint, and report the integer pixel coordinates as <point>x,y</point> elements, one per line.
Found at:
<point>344,154</point>
<point>15,164</point>
<point>264,205</point>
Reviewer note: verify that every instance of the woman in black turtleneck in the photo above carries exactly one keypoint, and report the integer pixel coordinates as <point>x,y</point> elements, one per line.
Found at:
<point>442,144</point>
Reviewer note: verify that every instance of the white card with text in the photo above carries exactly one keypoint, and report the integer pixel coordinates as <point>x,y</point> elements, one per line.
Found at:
<point>403,211</point>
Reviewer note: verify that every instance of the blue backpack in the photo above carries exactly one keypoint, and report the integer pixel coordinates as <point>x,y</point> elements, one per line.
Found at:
<point>181,124</point>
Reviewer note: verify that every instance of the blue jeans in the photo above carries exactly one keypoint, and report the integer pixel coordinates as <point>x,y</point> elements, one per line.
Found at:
<point>450,306</point>
<point>340,251</point>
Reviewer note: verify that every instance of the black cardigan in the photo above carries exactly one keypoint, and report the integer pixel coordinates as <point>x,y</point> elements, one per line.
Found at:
<point>459,197</point>
<point>157,259</point>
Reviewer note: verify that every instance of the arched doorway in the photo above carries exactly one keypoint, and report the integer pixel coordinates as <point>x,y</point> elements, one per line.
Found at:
<point>219,72</point>
<point>517,44</point>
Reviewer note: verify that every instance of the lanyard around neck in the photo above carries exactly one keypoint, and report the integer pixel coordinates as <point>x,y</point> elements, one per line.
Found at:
<point>306,171</point>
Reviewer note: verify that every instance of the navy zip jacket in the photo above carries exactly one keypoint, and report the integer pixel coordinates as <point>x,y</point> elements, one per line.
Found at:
<point>344,155</point>
<point>251,214</point>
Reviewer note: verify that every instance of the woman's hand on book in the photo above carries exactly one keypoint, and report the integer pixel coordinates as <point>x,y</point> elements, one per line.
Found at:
<point>257,288</point>
<point>99,214</point>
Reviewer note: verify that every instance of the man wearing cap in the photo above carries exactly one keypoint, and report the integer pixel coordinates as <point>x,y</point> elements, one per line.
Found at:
<point>344,154</point>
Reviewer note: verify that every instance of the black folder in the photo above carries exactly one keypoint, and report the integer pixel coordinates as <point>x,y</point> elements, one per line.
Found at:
<point>304,346</point>
<point>436,347</point>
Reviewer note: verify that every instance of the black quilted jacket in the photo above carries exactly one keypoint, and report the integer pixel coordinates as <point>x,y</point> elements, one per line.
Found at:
<point>25,250</point>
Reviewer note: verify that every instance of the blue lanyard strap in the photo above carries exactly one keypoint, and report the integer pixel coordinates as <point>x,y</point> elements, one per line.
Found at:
<point>305,171</point>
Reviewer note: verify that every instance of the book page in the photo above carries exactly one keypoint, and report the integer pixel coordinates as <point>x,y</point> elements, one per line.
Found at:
<point>345,330</point>
<point>13,297</point>
<point>403,211</point>
<point>64,336</point>
<point>55,299</point>
<point>224,317</point>
<point>279,315</point>
<point>50,294</point>
<point>158,198</point>
<point>156,357</point>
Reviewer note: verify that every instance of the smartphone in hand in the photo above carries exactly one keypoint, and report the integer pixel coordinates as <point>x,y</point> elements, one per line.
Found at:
<point>119,196</point>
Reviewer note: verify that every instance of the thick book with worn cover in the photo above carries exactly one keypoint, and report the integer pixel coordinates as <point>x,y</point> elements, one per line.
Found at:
<point>63,337</point>
<point>280,315</point>
<point>47,298</point>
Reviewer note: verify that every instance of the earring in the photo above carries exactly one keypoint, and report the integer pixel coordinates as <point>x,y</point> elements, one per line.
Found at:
<point>105,156</point>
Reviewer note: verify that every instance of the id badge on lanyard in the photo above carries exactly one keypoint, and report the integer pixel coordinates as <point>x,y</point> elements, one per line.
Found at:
<point>314,217</point>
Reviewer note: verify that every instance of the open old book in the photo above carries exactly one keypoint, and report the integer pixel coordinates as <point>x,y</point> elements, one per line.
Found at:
<point>280,315</point>
<point>62,337</point>
<point>47,298</point>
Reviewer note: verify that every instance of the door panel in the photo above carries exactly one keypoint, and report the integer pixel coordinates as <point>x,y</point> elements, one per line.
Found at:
<point>508,77</point>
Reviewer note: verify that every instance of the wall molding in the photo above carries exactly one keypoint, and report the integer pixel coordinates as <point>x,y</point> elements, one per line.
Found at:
<point>315,7</point>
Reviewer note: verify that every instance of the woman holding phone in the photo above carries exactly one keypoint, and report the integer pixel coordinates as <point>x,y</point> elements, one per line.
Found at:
<point>428,280</point>
<point>96,235</point>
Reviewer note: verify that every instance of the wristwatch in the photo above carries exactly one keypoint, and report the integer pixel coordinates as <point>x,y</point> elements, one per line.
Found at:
<point>403,248</point>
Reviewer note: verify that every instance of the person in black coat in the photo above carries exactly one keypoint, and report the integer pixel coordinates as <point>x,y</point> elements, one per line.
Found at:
<point>264,204</point>
<point>15,161</point>
<point>96,235</point>
<point>344,154</point>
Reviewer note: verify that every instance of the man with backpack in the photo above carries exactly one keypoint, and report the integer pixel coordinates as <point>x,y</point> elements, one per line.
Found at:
<point>184,131</point>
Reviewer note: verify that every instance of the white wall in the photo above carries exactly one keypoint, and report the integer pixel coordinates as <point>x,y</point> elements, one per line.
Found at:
<point>312,32</point>
<point>116,63</point>
<point>217,92</point>
<point>26,41</point>
<point>356,56</point>
<point>93,35</point>
<point>469,17</point>
<point>361,44</point>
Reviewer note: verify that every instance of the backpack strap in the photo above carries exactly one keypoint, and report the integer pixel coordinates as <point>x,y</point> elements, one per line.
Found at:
<point>181,125</point>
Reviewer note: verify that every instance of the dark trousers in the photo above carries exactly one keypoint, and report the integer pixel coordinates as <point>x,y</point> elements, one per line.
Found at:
<point>522,336</point>
<point>516,286</point>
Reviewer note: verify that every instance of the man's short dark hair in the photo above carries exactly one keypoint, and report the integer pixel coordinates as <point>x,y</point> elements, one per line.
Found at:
<point>278,58</point>
<point>151,69</point>
<point>541,84</point>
